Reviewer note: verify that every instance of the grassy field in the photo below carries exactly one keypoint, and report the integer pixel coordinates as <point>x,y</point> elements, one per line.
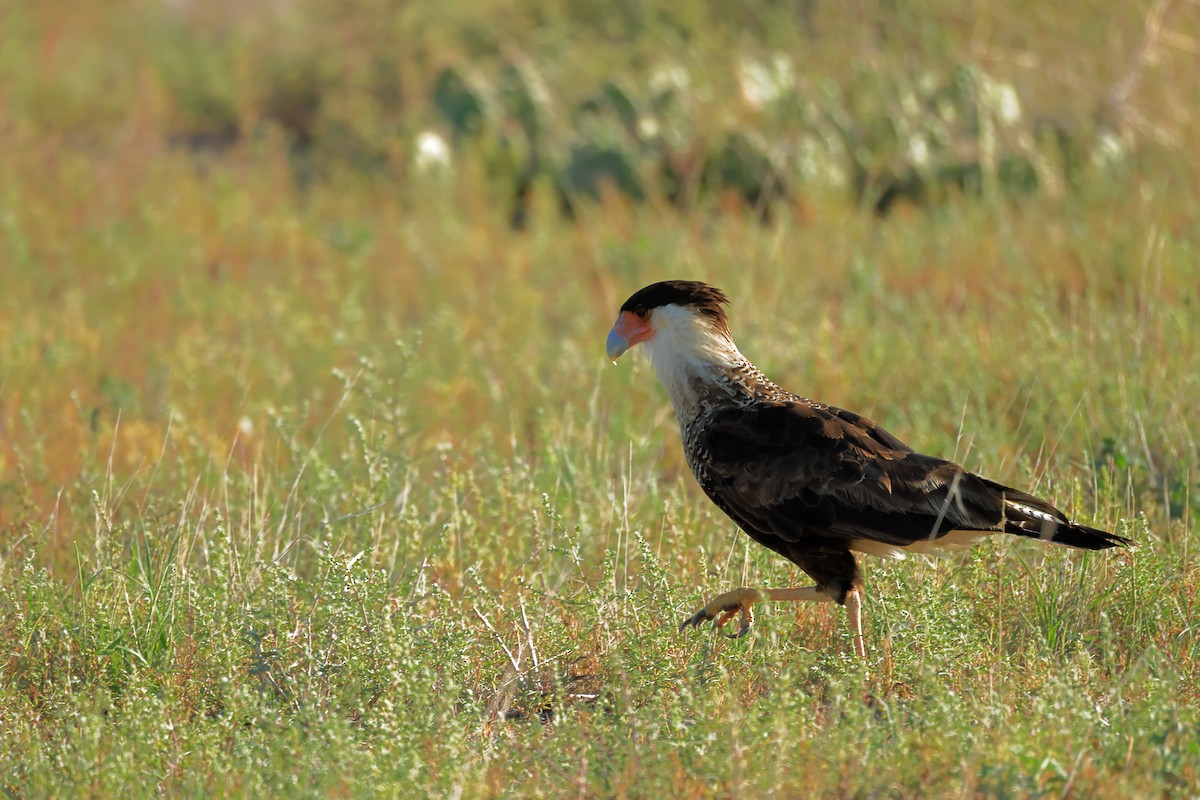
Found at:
<point>314,478</point>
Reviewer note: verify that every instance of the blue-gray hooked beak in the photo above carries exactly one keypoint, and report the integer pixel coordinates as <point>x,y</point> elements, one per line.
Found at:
<point>615,345</point>
<point>628,330</point>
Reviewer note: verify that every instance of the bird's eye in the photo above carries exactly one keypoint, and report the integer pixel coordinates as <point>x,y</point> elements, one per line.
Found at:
<point>640,312</point>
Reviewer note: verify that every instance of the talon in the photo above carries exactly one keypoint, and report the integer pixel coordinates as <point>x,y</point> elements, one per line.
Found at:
<point>728,613</point>
<point>725,607</point>
<point>747,614</point>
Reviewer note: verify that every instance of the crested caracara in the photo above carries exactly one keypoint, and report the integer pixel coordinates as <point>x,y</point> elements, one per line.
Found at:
<point>812,482</point>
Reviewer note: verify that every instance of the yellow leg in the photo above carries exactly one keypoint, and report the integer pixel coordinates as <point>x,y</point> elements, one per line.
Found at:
<point>740,602</point>
<point>854,612</point>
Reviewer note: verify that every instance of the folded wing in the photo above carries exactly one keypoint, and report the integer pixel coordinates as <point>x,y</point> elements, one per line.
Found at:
<point>797,469</point>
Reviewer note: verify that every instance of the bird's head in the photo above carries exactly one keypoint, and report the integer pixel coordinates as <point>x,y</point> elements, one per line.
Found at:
<point>675,319</point>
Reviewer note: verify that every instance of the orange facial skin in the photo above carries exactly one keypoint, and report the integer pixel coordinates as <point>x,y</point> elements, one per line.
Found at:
<point>629,329</point>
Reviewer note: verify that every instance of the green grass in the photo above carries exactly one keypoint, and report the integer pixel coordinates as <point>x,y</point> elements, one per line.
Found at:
<point>324,486</point>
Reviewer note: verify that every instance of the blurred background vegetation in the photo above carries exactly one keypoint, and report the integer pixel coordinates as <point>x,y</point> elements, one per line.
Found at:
<point>200,195</point>
<point>696,104</point>
<point>312,471</point>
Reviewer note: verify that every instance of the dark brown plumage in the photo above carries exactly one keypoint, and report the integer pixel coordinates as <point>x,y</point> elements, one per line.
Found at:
<point>809,481</point>
<point>812,482</point>
<point>705,299</point>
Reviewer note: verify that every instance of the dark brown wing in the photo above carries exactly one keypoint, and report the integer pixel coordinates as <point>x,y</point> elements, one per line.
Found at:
<point>798,470</point>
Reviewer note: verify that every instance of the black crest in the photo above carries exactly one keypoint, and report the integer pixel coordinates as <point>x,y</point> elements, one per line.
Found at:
<point>708,300</point>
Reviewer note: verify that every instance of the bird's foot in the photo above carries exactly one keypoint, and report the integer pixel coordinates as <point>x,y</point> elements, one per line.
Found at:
<point>726,606</point>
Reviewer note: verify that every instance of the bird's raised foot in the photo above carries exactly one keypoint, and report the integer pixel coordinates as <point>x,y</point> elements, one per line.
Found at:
<point>725,607</point>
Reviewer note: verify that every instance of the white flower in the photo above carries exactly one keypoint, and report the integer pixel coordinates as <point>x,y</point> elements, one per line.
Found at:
<point>432,152</point>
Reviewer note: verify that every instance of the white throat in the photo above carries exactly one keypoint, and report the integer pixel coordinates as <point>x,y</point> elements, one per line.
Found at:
<point>691,356</point>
